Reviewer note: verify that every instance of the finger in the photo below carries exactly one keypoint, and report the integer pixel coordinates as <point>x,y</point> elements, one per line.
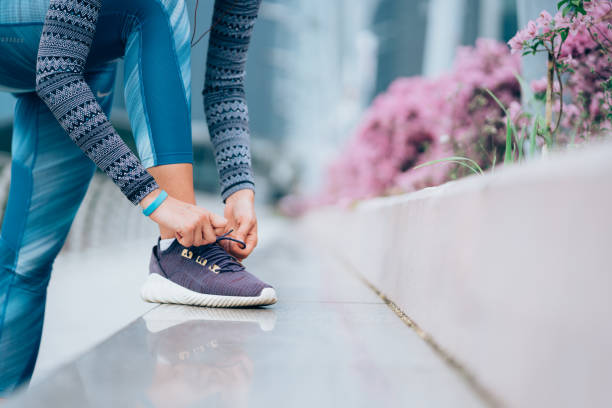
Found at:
<point>195,236</point>
<point>217,221</point>
<point>186,237</point>
<point>244,226</point>
<point>252,238</point>
<point>207,229</point>
<point>225,245</point>
<point>198,236</point>
<point>251,241</point>
<point>245,233</point>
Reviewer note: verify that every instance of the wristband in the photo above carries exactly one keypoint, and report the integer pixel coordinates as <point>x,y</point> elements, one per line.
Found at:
<point>156,203</point>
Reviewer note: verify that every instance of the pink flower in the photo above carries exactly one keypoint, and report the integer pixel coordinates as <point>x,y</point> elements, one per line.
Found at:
<point>560,21</point>
<point>532,29</point>
<point>539,85</point>
<point>517,42</point>
<point>544,20</point>
<point>515,110</point>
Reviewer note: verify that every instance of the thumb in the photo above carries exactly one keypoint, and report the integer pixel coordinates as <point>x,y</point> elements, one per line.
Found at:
<point>217,221</point>
<point>243,230</point>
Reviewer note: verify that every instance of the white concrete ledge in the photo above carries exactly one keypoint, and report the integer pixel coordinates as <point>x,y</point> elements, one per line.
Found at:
<point>510,273</point>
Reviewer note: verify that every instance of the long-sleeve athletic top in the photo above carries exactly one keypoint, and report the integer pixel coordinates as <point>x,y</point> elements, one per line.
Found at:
<point>224,96</point>
<point>68,32</point>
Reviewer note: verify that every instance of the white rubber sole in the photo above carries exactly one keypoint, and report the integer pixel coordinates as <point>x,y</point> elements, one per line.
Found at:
<point>158,289</point>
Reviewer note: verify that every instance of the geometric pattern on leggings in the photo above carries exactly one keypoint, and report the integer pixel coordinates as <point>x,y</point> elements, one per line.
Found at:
<point>68,32</point>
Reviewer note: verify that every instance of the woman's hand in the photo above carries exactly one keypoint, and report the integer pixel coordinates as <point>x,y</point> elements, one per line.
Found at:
<point>193,225</point>
<point>240,215</point>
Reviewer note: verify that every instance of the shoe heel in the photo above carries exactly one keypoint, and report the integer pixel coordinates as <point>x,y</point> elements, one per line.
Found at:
<point>147,290</point>
<point>155,268</point>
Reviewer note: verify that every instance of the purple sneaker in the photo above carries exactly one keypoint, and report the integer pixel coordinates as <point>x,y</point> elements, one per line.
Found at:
<point>203,276</point>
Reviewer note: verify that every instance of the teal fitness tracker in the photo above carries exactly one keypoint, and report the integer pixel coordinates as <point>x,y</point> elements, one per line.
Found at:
<point>156,203</point>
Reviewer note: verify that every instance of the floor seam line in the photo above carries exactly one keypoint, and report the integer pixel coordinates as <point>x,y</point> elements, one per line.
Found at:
<point>335,301</point>
<point>470,379</point>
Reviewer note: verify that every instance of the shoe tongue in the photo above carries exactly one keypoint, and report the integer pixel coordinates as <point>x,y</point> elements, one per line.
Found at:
<point>165,244</point>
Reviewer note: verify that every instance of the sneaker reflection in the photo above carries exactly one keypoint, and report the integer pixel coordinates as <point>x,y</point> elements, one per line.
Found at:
<point>199,355</point>
<point>174,356</point>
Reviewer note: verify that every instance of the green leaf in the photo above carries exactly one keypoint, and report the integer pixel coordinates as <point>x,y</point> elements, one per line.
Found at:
<point>562,2</point>
<point>564,34</point>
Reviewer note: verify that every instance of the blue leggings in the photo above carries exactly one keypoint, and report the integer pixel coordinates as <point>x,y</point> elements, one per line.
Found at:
<point>50,175</point>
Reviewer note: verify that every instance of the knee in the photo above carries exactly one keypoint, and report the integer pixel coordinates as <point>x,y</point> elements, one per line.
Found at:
<point>30,274</point>
<point>174,12</point>
<point>17,207</point>
<point>32,282</point>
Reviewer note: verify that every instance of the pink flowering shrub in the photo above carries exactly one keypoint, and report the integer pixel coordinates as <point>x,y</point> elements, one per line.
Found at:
<point>586,52</point>
<point>400,130</point>
<point>477,127</point>
<point>418,120</point>
<point>577,41</point>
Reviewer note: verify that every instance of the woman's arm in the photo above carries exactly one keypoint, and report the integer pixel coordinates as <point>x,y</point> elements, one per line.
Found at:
<point>224,96</point>
<point>68,32</point>
<point>228,117</point>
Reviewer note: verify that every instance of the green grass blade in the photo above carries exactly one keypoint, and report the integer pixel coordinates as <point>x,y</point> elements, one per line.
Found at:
<point>509,123</point>
<point>519,145</point>
<point>463,161</point>
<point>521,81</point>
<point>501,105</point>
<point>508,153</point>
<point>532,137</point>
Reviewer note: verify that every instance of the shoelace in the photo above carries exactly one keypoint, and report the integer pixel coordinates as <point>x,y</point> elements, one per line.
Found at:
<point>215,254</point>
<point>227,237</point>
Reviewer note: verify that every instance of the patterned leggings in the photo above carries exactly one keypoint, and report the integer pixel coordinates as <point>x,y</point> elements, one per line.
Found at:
<point>50,175</point>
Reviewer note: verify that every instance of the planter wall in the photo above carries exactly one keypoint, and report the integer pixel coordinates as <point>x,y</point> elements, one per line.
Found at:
<point>510,273</point>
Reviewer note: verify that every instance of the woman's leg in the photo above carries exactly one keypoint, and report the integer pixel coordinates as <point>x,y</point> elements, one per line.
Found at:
<point>158,90</point>
<point>49,178</point>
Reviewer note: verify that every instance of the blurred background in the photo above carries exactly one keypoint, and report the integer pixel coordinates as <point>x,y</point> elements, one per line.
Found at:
<point>314,66</point>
